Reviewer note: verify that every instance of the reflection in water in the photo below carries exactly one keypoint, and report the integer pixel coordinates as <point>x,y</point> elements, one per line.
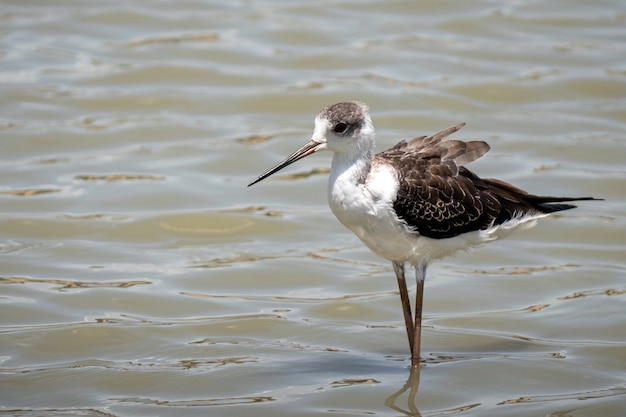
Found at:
<point>411,385</point>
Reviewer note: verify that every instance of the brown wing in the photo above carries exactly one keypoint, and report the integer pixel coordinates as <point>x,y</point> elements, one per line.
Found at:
<point>438,197</point>
<point>437,203</point>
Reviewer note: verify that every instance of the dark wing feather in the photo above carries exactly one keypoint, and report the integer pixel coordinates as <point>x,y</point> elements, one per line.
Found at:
<point>440,198</point>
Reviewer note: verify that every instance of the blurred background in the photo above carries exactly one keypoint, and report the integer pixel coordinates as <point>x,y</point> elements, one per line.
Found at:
<point>140,276</point>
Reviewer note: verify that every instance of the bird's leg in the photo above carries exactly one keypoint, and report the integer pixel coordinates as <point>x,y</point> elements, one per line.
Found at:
<point>420,275</point>
<point>398,267</point>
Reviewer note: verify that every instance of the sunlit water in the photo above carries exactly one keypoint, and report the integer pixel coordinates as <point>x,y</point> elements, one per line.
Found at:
<point>141,277</point>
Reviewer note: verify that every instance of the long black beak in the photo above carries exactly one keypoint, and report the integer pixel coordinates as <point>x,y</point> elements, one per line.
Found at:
<point>309,148</point>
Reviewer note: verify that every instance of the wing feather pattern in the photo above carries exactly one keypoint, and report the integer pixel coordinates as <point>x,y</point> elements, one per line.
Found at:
<point>440,198</point>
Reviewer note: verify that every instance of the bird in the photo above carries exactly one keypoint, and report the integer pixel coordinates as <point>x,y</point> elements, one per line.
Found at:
<point>416,202</point>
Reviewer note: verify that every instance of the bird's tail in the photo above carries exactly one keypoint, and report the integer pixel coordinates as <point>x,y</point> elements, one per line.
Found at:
<point>553,204</point>
<point>513,199</point>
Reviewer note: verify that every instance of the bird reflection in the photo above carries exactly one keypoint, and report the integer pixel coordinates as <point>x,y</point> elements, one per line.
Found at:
<point>411,386</point>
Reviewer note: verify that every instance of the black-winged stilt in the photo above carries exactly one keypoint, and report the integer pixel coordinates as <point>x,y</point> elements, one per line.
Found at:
<point>415,202</point>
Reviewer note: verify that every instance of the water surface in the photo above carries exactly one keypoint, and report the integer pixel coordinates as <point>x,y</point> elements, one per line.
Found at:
<point>139,275</point>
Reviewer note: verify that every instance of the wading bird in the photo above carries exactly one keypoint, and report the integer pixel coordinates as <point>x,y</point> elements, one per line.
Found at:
<point>415,202</point>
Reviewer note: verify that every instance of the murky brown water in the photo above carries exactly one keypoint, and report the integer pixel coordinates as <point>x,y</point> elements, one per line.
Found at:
<point>139,275</point>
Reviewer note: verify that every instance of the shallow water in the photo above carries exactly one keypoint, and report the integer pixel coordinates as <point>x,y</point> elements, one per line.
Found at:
<point>141,277</point>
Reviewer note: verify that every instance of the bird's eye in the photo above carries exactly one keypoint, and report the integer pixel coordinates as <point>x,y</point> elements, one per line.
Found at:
<point>340,127</point>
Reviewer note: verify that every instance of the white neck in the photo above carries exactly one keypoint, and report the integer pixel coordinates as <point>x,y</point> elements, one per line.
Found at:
<point>351,167</point>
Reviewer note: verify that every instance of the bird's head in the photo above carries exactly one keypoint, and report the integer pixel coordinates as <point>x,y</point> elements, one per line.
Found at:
<point>343,128</point>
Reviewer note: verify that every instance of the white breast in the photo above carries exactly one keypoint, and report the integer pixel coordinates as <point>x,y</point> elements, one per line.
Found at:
<point>367,210</point>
